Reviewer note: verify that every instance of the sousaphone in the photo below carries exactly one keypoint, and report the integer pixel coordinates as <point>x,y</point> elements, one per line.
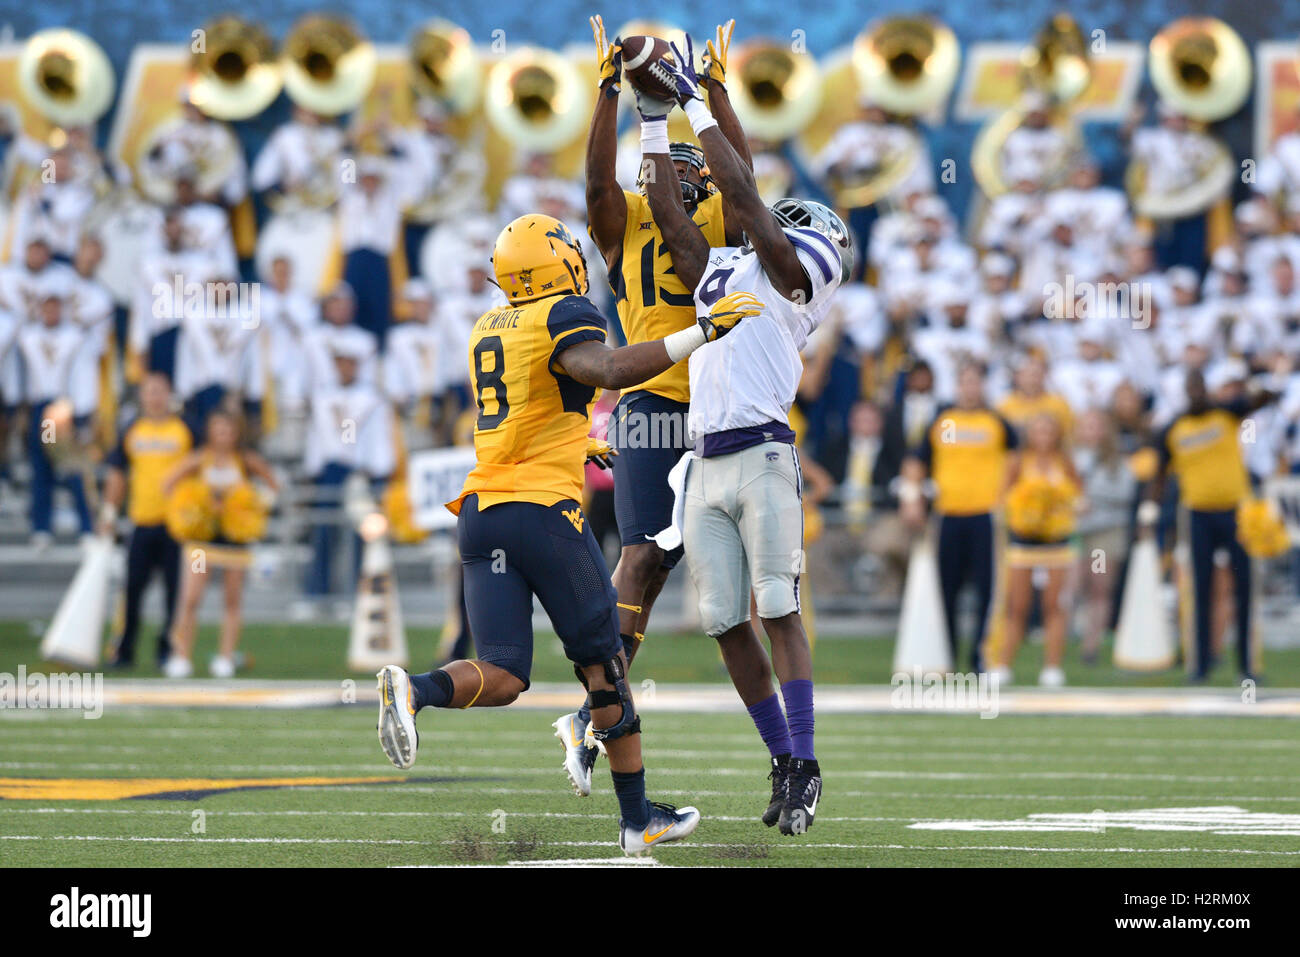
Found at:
<point>1200,67</point>
<point>65,77</point>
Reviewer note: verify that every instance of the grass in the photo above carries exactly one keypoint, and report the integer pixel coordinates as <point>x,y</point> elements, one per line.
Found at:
<point>488,789</point>
<point>320,651</point>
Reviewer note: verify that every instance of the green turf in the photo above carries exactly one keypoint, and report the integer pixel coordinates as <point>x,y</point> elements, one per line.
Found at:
<point>320,651</point>
<point>882,773</point>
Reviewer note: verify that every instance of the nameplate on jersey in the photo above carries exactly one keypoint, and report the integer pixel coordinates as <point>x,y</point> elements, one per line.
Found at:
<point>435,477</point>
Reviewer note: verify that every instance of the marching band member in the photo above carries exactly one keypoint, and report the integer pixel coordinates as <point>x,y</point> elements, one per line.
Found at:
<point>217,355</point>
<point>149,450</point>
<point>1035,150</point>
<point>338,332</point>
<point>1174,154</point>
<point>301,156</point>
<point>370,223</point>
<point>351,429</point>
<point>413,362</point>
<point>157,310</point>
<point>194,142</point>
<point>212,486</point>
<point>1042,493</point>
<point>289,315</point>
<point>55,208</point>
<point>50,349</point>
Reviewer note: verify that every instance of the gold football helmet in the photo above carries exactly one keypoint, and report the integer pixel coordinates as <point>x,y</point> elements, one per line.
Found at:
<point>536,256</point>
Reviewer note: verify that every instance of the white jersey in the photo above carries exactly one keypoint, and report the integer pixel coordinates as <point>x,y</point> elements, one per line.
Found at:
<point>750,377</point>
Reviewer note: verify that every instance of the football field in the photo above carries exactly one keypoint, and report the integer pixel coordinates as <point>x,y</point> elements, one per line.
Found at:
<point>167,786</point>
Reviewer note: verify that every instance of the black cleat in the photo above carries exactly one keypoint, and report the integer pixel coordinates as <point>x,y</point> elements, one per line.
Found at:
<point>777,776</point>
<point>803,792</point>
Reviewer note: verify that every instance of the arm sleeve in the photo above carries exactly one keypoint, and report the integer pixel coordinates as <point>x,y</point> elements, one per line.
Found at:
<point>572,320</point>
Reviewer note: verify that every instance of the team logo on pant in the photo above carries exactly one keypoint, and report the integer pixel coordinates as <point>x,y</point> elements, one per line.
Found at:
<point>574,515</point>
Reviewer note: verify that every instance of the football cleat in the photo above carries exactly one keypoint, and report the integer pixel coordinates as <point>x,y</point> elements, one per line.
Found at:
<point>397,734</point>
<point>666,823</point>
<point>778,776</point>
<point>803,791</point>
<point>579,755</point>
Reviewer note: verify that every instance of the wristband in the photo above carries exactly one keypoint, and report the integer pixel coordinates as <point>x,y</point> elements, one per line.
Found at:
<point>681,344</point>
<point>909,491</point>
<point>654,136</point>
<point>699,115</point>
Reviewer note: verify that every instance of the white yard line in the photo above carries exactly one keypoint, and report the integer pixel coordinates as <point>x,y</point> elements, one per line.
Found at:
<point>747,847</point>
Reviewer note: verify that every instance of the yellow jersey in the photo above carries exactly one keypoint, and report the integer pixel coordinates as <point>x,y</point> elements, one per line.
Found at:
<point>651,300</point>
<point>1020,409</point>
<point>1204,450</point>
<point>531,433</point>
<point>147,452</point>
<point>966,451</point>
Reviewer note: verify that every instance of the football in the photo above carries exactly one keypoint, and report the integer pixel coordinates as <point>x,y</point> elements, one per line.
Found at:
<point>639,55</point>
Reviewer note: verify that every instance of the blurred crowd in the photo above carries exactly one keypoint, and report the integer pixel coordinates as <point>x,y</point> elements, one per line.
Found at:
<point>360,312</point>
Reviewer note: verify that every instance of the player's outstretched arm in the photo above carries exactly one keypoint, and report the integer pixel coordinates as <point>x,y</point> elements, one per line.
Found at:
<point>736,181</point>
<point>687,247</point>
<point>593,363</point>
<point>715,79</point>
<point>606,207</point>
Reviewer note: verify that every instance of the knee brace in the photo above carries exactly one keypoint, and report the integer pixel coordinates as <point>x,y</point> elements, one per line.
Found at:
<point>628,721</point>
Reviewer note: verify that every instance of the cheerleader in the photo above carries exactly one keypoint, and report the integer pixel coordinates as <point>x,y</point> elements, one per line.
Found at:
<point>215,511</point>
<point>1043,492</point>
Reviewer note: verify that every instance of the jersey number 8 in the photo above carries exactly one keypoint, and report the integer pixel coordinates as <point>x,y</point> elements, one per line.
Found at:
<point>493,379</point>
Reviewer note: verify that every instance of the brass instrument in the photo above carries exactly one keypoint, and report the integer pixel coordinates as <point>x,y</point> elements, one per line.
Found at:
<point>776,92</point>
<point>329,66</point>
<point>1057,66</point>
<point>444,65</point>
<point>65,76</point>
<point>537,100</point>
<point>905,66</point>
<point>1201,68</point>
<point>235,75</point>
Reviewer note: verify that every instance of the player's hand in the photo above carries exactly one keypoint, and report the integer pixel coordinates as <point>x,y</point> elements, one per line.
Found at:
<point>726,314</point>
<point>651,109</point>
<point>681,73</point>
<point>600,453</point>
<point>610,54</point>
<point>715,55</point>
<point>913,514</point>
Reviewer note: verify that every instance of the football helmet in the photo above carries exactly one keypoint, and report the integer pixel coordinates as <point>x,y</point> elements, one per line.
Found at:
<point>692,193</point>
<point>806,214</point>
<point>536,256</point>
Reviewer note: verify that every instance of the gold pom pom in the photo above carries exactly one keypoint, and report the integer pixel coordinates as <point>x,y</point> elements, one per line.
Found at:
<point>243,514</point>
<point>192,512</point>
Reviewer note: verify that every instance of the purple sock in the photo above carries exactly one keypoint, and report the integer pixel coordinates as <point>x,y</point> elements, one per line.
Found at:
<point>798,697</point>
<point>771,725</point>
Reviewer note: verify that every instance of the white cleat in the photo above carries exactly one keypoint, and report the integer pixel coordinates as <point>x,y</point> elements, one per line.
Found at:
<point>1051,678</point>
<point>1001,676</point>
<point>221,667</point>
<point>397,734</point>
<point>666,823</point>
<point>579,756</point>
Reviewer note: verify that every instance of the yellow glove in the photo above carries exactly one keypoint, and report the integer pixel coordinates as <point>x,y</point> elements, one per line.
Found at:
<point>715,55</point>
<point>611,56</point>
<point>726,313</point>
<point>600,454</point>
